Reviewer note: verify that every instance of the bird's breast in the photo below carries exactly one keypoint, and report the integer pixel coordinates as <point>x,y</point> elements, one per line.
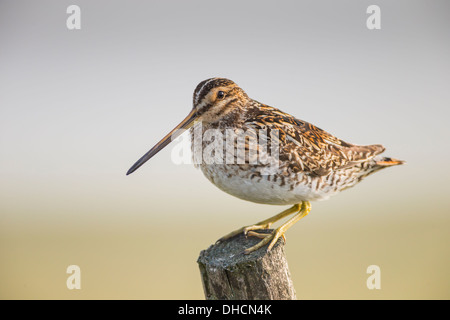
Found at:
<point>252,184</point>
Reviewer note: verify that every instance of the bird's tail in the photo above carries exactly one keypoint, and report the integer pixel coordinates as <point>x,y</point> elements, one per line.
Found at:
<point>388,162</point>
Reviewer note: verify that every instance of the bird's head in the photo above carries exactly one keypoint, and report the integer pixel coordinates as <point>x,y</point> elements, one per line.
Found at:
<point>214,99</point>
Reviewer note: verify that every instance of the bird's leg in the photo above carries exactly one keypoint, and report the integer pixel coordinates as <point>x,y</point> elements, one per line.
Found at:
<point>305,208</point>
<point>262,235</point>
<point>265,224</point>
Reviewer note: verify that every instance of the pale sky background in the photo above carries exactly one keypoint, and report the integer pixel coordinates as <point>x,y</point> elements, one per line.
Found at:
<point>78,108</point>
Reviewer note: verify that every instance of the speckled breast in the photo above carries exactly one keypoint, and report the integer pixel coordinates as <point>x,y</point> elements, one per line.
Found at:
<point>246,182</point>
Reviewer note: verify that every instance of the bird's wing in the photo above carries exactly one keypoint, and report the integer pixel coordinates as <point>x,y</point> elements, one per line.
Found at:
<point>305,147</point>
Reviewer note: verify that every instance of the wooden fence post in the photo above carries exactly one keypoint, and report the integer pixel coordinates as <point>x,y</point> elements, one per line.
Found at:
<point>229,274</point>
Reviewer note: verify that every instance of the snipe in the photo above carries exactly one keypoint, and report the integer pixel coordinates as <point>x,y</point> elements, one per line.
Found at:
<point>311,164</point>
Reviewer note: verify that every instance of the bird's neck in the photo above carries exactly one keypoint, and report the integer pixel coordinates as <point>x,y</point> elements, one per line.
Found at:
<point>232,119</point>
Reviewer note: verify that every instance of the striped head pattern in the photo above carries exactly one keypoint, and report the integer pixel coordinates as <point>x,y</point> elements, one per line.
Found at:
<point>214,98</point>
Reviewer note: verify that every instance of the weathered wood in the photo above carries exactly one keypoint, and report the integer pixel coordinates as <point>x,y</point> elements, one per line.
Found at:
<point>229,274</point>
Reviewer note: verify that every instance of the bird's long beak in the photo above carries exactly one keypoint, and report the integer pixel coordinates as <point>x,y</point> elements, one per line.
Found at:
<point>172,135</point>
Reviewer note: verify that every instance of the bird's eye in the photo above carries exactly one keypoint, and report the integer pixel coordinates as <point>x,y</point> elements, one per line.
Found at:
<point>220,95</point>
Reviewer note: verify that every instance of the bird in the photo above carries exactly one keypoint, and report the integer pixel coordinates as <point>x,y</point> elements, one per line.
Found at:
<point>308,164</point>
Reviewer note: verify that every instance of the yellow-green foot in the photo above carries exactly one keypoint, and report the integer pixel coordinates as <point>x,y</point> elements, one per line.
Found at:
<point>300,210</point>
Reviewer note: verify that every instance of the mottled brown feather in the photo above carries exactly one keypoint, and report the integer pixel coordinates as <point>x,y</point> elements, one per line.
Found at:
<point>305,147</point>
